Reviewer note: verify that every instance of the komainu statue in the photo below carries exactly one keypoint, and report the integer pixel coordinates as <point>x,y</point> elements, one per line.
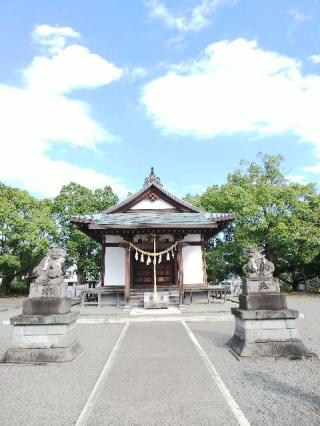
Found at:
<point>49,274</point>
<point>264,326</point>
<point>50,269</point>
<point>259,272</point>
<point>46,329</point>
<point>258,266</point>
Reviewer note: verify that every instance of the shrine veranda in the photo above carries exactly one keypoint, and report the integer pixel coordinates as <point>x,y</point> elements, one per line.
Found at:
<point>153,237</point>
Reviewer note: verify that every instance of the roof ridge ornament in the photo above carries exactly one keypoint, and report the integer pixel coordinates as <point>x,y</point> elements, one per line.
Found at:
<point>152,179</point>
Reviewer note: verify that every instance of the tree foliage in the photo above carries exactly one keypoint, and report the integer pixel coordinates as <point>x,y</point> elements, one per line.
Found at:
<point>26,228</point>
<point>83,251</point>
<point>281,218</point>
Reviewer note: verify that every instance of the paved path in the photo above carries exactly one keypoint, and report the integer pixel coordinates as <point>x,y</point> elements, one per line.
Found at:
<point>157,375</point>
<point>158,378</point>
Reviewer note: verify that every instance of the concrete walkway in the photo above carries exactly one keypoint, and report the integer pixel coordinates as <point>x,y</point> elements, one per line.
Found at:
<point>157,378</point>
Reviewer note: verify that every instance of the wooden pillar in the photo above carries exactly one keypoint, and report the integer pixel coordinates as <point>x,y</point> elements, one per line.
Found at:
<point>127,277</point>
<point>204,264</point>
<point>180,274</point>
<point>103,259</point>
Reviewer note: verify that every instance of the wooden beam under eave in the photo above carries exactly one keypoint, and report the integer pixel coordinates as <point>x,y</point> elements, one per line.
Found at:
<point>157,226</point>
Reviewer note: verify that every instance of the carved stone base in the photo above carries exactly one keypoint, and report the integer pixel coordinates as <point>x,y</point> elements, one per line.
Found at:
<point>266,333</point>
<point>46,306</point>
<point>266,301</point>
<point>43,338</point>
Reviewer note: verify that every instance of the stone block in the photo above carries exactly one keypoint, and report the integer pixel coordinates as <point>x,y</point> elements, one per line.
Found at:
<point>290,323</point>
<point>46,306</point>
<point>44,319</point>
<point>47,290</point>
<point>161,303</point>
<point>268,285</point>
<point>245,334</point>
<point>262,301</point>
<point>265,314</point>
<point>275,335</point>
<point>43,355</point>
<point>294,333</point>
<point>33,330</point>
<point>44,335</point>
<point>261,324</point>
<point>270,349</point>
<point>43,341</point>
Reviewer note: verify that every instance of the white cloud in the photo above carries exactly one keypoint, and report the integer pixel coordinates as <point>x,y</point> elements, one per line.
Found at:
<point>135,73</point>
<point>35,117</point>
<point>199,16</point>
<point>312,169</point>
<point>299,16</point>
<point>53,38</point>
<point>234,87</point>
<point>73,67</point>
<point>296,178</point>
<point>315,59</point>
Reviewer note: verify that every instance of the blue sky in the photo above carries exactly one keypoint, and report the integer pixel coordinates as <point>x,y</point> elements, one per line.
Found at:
<point>99,91</point>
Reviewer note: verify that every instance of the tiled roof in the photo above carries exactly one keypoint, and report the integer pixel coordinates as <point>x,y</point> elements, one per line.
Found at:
<point>153,219</point>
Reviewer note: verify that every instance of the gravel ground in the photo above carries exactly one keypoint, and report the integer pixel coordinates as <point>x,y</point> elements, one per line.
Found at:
<point>161,379</point>
<point>53,394</point>
<point>271,392</point>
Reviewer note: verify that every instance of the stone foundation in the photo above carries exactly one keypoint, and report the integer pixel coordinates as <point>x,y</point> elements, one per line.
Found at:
<point>36,355</point>
<point>43,338</point>
<point>267,333</point>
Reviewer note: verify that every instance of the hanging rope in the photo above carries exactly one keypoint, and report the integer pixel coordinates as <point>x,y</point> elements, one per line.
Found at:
<point>154,254</point>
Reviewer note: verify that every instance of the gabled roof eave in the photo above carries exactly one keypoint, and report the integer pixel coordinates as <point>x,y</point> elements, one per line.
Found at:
<point>137,194</point>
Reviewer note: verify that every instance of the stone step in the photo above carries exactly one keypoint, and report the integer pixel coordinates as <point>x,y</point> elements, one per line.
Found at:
<point>171,292</point>
<point>139,301</point>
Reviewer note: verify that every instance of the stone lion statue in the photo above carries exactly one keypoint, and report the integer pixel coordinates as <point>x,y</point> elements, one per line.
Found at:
<point>50,269</point>
<point>258,267</point>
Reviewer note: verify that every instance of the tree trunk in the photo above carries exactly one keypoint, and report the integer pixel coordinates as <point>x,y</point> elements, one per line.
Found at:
<point>269,253</point>
<point>5,286</point>
<point>80,277</point>
<point>295,285</point>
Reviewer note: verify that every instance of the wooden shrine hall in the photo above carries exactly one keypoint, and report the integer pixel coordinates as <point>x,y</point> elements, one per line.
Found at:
<point>153,241</point>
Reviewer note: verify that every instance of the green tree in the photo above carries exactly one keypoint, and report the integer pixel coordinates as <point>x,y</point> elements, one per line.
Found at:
<point>82,250</point>
<point>195,200</point>
<point>281,218</point>
<point>26,229</point>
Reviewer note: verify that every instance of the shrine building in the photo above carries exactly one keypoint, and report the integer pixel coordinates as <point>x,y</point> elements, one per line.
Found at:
<point>153,236</point>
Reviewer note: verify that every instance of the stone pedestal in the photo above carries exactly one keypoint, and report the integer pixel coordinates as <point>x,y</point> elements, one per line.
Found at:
<point>264,326</point>
<point>43,338</point>
<point>266,333</point>
<point>46,330</point>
